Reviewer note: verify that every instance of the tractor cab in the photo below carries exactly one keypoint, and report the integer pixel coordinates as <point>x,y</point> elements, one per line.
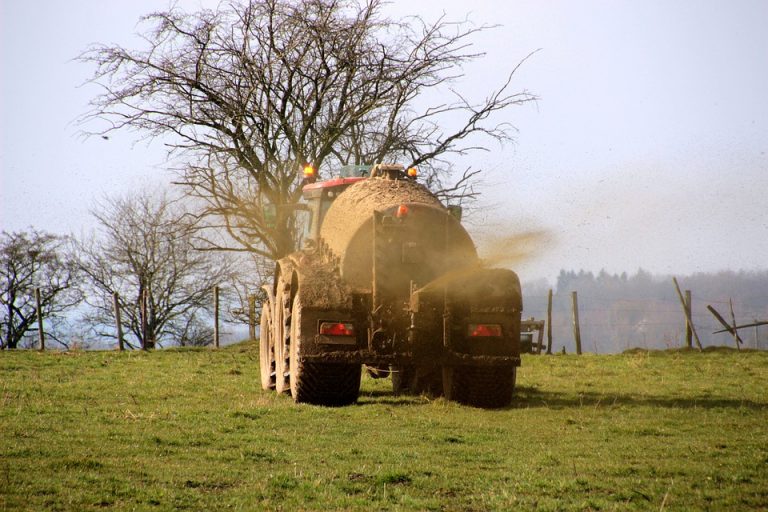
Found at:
<point>320,195</point>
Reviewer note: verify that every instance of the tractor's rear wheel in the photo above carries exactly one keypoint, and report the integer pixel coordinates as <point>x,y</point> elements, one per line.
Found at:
<point>266,348</point>
<point>281,323</point>
<point>330,384</point>
<point>489,387</point>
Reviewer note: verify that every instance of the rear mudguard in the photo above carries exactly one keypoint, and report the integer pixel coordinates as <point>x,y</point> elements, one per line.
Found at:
<point>488,296</point>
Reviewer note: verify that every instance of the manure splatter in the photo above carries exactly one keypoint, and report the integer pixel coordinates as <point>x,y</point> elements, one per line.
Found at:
<point>508,250</point>
<point>498,251</point>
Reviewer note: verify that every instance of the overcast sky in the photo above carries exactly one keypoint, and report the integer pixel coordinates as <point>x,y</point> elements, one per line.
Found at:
<point>648,147</point>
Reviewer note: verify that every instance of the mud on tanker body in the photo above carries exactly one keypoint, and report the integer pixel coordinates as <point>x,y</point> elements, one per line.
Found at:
<point>388,278</point>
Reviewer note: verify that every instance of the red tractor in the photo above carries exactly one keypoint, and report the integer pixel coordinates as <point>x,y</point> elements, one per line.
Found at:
<point>388,278</point>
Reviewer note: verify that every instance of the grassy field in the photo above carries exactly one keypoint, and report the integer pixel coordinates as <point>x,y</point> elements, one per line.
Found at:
<point>192,430</point>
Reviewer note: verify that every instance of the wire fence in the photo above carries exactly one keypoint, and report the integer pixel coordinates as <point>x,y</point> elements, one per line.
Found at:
<point>609,325</point>
<point>605,324</point>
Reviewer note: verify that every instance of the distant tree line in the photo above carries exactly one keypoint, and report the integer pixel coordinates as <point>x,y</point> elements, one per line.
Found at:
<point>622,311</point>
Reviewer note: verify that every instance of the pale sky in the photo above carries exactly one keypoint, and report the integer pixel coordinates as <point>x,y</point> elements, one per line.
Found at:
<point>648,147</point>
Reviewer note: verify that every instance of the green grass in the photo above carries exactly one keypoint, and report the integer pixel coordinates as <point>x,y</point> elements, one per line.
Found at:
<point>192,430</point>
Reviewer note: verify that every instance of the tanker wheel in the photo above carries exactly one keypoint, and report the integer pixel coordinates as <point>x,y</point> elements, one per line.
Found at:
<point>489,387</point>
<point>266,348</point>
<point>281,324</point>
<point>331,384</point>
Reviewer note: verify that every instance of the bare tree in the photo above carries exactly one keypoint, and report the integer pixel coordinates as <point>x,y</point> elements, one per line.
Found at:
<point>144,253</point>
<point>249,92</point>
<point>29,260</point>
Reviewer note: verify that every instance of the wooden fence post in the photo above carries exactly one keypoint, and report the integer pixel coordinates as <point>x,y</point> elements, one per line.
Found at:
<point>733,320</point>
<point>143,311</point>
<point>549,322</point>
<point>118,322</point>
<point>216,316</point>
<point>728,328</point>
<point>756,333</point>
<point>576,329</point>
<point>540,337</point>
<point>688,316</point>
<point>40,332</point>
<point>252,317</point>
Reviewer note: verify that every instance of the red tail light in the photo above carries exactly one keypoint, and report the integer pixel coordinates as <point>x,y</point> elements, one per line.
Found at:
<point>402,211</point>
<point>337,329</point>
<point>484,331</point>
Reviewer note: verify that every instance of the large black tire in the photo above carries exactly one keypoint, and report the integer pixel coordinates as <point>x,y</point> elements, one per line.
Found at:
<point>329,384</point>
<point>488,387</point>
<point>266,348</point>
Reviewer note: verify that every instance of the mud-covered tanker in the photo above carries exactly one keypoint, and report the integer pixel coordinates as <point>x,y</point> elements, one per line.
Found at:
<point>388,278</point>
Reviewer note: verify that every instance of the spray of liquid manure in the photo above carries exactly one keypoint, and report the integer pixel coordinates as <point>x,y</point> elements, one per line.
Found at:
<point>498,251</point>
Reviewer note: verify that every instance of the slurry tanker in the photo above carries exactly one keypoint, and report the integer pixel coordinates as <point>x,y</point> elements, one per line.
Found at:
<point>388,279</point>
